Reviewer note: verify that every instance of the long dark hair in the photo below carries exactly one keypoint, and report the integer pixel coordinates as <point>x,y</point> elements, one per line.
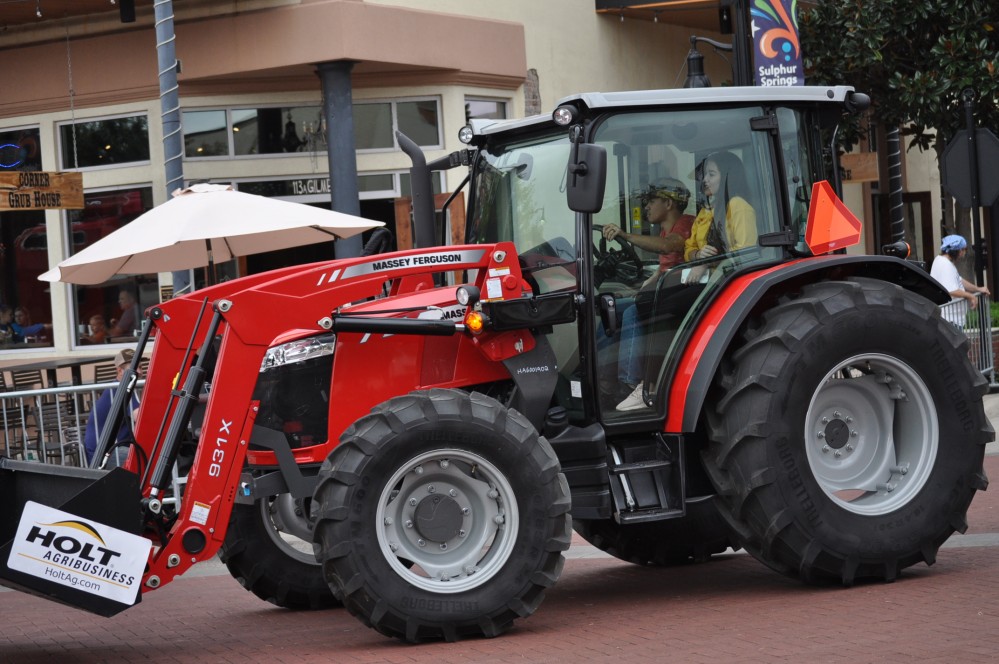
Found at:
<point>733,183</point>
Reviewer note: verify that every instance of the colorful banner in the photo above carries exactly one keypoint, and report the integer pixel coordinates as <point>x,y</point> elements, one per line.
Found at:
<point>776,49</point>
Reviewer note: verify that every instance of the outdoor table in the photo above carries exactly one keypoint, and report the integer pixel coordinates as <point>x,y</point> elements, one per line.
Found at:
<point>51,367</point>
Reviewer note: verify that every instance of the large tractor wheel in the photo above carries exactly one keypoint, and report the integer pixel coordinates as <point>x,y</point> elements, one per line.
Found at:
<point>695,537</point>
<point>848,433</point>
<point>268,548</point>
<point>442,515</point>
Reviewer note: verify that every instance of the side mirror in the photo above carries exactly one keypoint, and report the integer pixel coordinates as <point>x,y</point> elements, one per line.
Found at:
<point>587,177</point>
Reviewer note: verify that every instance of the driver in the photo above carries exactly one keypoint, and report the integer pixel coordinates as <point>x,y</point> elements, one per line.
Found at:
<point>665,203</point>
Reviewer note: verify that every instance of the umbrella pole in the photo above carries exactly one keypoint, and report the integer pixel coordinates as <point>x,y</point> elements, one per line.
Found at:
<point>210,277</point>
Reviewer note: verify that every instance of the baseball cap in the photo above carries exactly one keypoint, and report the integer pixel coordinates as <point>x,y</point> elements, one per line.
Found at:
<point>124,357</point>
<point>667,188</point>
<point>953,243</point>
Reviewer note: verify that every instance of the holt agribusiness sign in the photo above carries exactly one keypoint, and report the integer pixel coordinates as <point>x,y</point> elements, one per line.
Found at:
<point>776,50</point>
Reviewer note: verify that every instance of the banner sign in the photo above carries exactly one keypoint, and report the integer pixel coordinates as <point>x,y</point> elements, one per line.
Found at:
<point>41,190</point>
<point>63,548</point>
<point>776,49</point>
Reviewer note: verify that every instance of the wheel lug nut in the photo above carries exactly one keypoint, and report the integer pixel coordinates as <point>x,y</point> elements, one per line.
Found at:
<point>837,414</point>
<point>493,494</point>
<point>387,521</point>
<point>393,546</point>
<point>418,470</point>
<point>431,489</point>
<point>849,448</point>
<point>461,533</point>
<point>468,569</point>
<point>421,542</point>
<point>838,454</point>
<point>444,464</point>
<point>412,502</point>
<point>853,433</point>
<point>849,420</point>
<point>409,524</point>
<point>825,449</point>
<point>821,434</point>
<point>499,519</point>
<point>465,511</point>
<point>443,546</point>
<point>452,493</point>
<point>825,420</point>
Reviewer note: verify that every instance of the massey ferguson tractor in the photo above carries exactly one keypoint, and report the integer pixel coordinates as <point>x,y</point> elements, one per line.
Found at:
<point>415,435</point>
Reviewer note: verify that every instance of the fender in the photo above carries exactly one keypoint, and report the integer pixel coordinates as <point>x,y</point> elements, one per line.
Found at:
<point>731,307</point>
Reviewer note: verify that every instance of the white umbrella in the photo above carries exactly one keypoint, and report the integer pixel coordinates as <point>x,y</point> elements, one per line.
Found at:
<point>202,225</point>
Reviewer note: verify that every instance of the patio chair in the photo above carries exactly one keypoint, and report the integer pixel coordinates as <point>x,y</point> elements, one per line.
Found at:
<point>58,431</point>
<point>13,419</point>
<point>26,379</point>
<point>105,373</point>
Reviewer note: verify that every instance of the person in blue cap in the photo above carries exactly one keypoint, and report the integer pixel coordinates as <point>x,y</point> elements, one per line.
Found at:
<point>944,270</point>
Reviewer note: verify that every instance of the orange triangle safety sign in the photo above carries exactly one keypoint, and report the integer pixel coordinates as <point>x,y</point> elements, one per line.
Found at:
<point>831,225</point>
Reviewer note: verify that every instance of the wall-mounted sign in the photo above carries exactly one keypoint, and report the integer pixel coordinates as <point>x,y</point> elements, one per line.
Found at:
<point>776,49</point>
<point>41,190</point>
<point>859,167</point>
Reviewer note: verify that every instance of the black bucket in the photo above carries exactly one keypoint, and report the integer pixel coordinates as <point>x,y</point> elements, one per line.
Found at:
<point>96,499</point>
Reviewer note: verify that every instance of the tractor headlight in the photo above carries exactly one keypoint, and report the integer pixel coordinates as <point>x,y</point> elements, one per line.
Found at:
<point>299,350</point>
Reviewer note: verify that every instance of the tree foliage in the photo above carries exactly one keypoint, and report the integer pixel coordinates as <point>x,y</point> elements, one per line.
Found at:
<point>913,57</point>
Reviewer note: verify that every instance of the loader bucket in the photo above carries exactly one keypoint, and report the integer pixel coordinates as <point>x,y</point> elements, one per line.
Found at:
<point>61,534</point>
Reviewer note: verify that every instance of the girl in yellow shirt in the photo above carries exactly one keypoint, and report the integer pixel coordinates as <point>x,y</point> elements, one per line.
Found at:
<point>724,183</point>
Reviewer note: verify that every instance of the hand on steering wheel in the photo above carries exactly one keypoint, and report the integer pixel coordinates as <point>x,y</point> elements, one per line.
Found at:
<point>622,264</point>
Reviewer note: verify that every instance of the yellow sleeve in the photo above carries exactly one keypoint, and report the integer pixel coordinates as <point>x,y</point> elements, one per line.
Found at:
<point>741,222</point>
<point>698,233</point>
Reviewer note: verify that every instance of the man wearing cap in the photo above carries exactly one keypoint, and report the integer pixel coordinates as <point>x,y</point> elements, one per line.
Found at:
<point>665,203</point>
<point>944,270</point>
<point>99,415</point>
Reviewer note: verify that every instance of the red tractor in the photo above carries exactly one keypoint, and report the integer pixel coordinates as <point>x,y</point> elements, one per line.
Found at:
<point>415,435</point>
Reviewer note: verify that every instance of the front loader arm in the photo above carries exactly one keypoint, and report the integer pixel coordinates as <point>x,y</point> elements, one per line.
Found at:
<point>253,319</point>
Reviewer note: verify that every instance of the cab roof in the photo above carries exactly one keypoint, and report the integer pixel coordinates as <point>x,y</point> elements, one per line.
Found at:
<point>838,94</point>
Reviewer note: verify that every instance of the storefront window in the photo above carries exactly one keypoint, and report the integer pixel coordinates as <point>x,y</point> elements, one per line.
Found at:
<point>484,109</point>
<point>277,130</point>
<point>19,150</point>
<point>107,142</point>
<point>373,126</point>
<point>110,312</point>
<point>375,123</point>
<point>23,253</point>
<point>418,120</point>
<point>206,134</point>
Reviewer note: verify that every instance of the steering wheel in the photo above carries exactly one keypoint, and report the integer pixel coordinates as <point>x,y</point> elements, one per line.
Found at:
<point>622,264</point>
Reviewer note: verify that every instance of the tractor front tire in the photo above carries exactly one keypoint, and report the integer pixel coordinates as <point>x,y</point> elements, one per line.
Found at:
<point>847,433</point>
<point>442,515</point>
<point>692,538</point>
<point>268,549</point>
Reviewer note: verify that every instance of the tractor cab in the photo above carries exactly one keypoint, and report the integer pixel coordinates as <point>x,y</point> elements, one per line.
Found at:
<point>693,188</point>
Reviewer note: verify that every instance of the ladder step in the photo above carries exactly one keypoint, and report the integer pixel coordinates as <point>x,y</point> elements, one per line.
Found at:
<point>639,466</point>
<point>650,514</point>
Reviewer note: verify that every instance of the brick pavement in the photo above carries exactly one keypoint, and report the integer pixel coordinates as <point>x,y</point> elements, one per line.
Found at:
<point>602,610</point>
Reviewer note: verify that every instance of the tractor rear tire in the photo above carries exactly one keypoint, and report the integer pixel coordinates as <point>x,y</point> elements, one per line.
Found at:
<point>442,515</point>
<point>266,550</point>
<point>847,433</point>
<point>693,538</point>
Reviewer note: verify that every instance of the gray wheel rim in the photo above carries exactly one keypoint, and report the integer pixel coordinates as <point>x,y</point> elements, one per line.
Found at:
<point>287,524</point>
<point>871,434</point>
<point>479,527</point>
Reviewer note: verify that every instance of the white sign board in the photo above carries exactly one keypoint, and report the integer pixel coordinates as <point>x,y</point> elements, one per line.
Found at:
<point>65,549</point>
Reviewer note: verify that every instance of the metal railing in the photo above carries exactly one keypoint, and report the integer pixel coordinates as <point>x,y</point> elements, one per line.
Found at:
<point>49,426</point>
<point>977,326</point>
